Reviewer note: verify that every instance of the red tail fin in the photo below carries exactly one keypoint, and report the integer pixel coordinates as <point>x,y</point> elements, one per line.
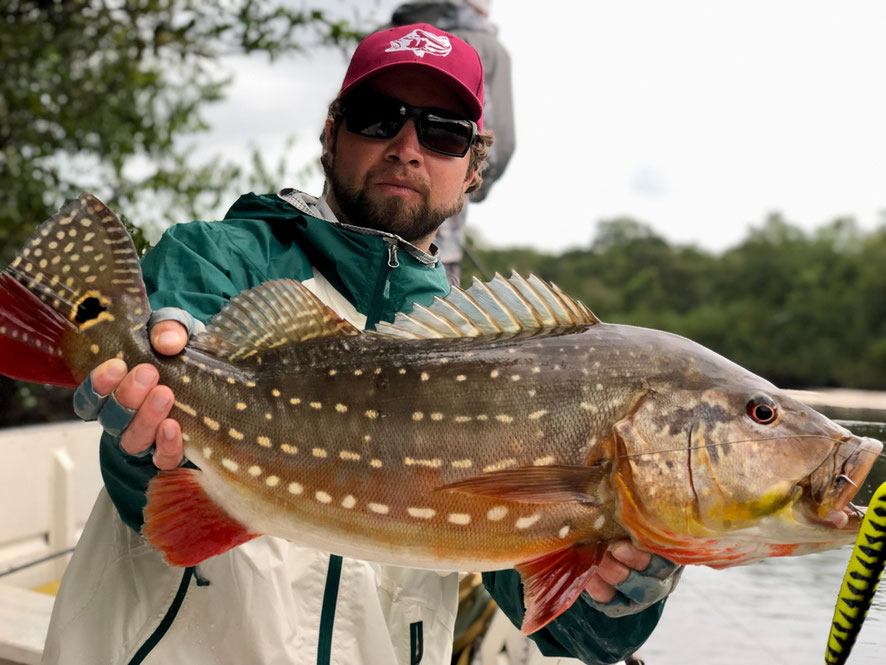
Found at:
<point>31,337</point>
<point>70,296</point>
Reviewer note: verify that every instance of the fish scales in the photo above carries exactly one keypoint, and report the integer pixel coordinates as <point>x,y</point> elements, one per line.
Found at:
<point>504,426</point>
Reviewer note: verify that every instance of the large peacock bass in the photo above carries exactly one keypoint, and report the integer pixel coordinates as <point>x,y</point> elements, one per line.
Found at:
<point>503,426</point>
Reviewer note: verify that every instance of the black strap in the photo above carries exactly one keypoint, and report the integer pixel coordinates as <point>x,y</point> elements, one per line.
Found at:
<point>327,614</point>
<point>164,625</point>
<point>416,642</point>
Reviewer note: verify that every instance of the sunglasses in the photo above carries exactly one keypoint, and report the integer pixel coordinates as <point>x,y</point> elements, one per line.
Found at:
<point>382,117</point>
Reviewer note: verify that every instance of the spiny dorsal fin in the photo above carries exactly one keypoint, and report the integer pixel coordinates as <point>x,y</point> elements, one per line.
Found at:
<point>278,313</point>
<point>499,307</point>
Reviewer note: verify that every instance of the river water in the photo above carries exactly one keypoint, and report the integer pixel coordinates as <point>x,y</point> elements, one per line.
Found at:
<point>775,612</point>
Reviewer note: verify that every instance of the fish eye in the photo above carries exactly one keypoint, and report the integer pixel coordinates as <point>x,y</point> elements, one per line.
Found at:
<point>762,410</point>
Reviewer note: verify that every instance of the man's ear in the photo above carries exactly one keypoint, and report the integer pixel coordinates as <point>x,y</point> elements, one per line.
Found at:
<point>469,179</point>
<point>329,137</point>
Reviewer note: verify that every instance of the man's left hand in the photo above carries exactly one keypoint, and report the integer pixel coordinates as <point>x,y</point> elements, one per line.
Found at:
<point>628,580</point>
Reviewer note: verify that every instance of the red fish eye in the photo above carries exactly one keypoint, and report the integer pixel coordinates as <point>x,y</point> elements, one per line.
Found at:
<point>762,410</point>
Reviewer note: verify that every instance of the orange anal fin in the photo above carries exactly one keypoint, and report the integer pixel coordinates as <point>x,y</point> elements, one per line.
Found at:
<point>183,523</point>
<point>551,583</point>
<point>535,484</point>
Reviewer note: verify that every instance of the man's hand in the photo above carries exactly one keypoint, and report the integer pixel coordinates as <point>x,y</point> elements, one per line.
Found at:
<point>138,389</point>
<point>628,579</point>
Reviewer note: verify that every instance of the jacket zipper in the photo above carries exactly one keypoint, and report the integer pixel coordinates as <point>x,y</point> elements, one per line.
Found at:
<point>167,620</point>
<point>382,289</point>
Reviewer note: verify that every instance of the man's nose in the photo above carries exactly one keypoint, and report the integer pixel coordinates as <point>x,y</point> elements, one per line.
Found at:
<point>404,147</point>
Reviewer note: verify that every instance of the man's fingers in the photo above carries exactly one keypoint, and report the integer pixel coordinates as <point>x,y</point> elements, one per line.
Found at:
<point>611,570</point>
<point>134,388</point>
<point>169,337</point>
<point>170,448</point>
<point>142,431</point>
<point>107,376</point>
<point>625,552</point>
<point>599,590</point>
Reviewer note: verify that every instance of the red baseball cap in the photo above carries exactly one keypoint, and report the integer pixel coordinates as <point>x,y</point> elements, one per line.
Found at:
<point>421,46</point>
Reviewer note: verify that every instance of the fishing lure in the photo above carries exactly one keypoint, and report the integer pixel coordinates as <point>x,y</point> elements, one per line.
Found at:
<point>860,581</point>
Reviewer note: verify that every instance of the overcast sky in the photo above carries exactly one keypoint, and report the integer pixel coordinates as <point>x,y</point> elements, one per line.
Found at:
<point>697,118</point>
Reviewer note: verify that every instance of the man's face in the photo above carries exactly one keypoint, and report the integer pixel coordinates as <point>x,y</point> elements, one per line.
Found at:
<point>397,185</point>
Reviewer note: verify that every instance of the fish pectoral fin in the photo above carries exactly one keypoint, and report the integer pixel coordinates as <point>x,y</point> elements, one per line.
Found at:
<point>535,484</point>
<point>267,319</point>
<point>184,524</point>
<point>551,583</point>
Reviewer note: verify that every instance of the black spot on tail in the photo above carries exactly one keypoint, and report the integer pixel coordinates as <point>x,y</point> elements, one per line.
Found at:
<point>88,309</point>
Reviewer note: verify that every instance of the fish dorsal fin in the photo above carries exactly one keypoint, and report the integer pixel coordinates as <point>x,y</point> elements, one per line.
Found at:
<point>498,307</point>
<point>277,314</point>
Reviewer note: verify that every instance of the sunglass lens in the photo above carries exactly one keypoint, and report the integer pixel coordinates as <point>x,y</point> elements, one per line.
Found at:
<point>375,118</point>
<point>446,135</point>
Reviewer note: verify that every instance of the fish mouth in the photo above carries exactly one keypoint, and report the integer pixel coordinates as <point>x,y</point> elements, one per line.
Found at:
<point>834,509</point>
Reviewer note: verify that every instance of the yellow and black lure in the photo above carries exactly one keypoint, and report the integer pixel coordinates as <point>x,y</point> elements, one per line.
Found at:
<point>860,581</point>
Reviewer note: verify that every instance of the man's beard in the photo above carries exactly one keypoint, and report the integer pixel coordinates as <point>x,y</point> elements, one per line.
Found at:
<point>410,221</point>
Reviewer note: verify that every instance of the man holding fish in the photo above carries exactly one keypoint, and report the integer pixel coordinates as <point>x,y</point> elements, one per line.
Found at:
<point>403,144</point>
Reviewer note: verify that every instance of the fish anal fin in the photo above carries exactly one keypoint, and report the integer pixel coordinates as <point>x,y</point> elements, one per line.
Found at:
<point>551,583</point>
<point>268,318</point>
<point>535,484</point>
<point>184,524</point>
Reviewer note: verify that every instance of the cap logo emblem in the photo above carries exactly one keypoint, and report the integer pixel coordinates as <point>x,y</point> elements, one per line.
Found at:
<point>420,42</point>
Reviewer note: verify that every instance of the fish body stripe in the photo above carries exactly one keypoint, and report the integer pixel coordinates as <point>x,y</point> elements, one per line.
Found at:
<point>860,582</point>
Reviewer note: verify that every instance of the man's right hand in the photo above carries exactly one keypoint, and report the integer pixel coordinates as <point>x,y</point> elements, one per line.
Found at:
<point>138,389</point>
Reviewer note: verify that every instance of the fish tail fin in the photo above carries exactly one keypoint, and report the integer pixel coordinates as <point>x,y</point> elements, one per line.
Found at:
<point>75,285</point>
<point>184,523</point>
<point>551,583</point>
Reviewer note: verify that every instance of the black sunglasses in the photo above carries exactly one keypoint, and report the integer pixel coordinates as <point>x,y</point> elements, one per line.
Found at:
<point>382,117</point>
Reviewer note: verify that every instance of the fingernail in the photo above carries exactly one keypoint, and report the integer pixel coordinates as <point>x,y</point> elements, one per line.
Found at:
<point>169,339</point>
<point>159,402</point>
<point>115,371</point>
<point>167,431</point>
<point>144,376</point>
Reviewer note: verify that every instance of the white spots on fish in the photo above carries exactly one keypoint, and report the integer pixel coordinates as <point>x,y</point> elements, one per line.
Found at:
<point>94,348</point>
<point>349,456</point>
<point>376,463</point>
<point>497,513</point>
<point>240,406</point>
<point>263,441</point>
<point>417,416</point>
<point>482,417</point>
<point>372,414</point>
<point>531,392</point>
<point>295,488</point>
<point>379,508</point>
<point>234,434</point>
<point>526,522</point>
<point>463,419</point>
<point>186,437</point>
<point>377,370</point>
<point>544,461</point>
<point>493,374</point>
<point>322,497</point>
<point>254,471</point>
<point>269,416</point>
<point>536,370</point>
<point>535,415</point>
<point>434,463</point>
<point>272,481</point>
<point>589,406</point>
<point>421,513</point>
<point>425,376</point>
<point>461,519</point>
<point>295,401</point>
<point>358,372</point>
<point>461,377</point>
<point>185,378</point>
<point>444,361</point>
<point>230,464</point>
<point>275,392</point>
<point>515,377</point>
<point>207,452</point>
<point>504,418</point>
<point>250,384</point>
<point>436,416</point>
<point>564,531</point>
<point>319,452</point>
<point>341,408</point>
<point>367,438</point>
<point>599,522</point>
<point>401,371</point>
<point>288,449</point>
<point>211,424</point>
<point>231,380</point>
<point>501,464</point>
<point>348,502</point>
<point>316,405</point>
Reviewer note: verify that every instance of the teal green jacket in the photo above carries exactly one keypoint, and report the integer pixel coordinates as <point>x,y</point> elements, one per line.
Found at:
<point>199,266</point>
